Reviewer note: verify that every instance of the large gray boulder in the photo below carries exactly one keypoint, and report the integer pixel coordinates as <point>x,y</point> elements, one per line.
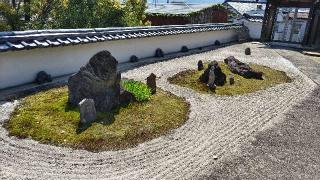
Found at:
<point>97,80</point>
<point>220,77</point>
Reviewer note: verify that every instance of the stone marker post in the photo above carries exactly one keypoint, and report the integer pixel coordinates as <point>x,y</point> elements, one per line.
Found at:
<point>200,65</point>
<point>151,82</point>
<point>247,51</point>
<point>87,111</point>
<point>212,78</point>
<point>231,79</point>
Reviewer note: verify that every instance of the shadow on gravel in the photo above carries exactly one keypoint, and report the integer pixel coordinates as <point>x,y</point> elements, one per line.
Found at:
<point>289,150</point>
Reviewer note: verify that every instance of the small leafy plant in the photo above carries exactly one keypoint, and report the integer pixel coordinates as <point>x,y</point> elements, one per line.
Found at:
<point>140,90</point>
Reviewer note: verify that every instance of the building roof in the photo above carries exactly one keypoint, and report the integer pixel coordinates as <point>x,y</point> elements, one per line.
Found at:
<point>175,8</point>
<point>21,40</point>
<point>247,1</point>
<point>248,8</point>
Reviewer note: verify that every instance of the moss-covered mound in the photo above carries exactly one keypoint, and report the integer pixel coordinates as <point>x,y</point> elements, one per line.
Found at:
<point>271,77</point>
<point>47,118</point>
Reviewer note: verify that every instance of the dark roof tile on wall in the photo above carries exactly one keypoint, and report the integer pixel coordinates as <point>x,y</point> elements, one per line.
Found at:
<point>23,40</point>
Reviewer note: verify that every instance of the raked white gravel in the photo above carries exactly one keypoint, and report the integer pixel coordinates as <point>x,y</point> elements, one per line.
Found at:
<point>215,127</point>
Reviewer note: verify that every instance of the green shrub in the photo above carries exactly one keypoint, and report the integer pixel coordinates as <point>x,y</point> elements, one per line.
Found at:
<point>140,90</point>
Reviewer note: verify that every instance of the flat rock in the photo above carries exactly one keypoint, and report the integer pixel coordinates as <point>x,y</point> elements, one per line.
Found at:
<point>242,69</point>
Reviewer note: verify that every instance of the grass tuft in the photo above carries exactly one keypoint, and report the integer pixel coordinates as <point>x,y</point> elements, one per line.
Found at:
<point>271,77</point>
<point>47,118</point>
<point>140,90</point>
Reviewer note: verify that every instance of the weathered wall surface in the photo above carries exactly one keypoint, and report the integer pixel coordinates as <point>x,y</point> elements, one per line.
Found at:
<point>20,67</point>
<point>254,28</point>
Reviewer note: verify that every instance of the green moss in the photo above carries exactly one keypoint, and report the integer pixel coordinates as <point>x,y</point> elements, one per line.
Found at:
<point>140,90</point>
<point>271,77</point>
<point>46,117</point>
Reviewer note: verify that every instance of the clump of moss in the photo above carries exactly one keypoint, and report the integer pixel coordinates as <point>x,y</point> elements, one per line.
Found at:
<point>271,77</point>
<point>47,118</point>
<point>140,90</point>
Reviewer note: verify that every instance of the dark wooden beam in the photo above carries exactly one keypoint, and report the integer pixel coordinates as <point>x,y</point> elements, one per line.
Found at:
<point>312,25</point>
<point>269,19</point>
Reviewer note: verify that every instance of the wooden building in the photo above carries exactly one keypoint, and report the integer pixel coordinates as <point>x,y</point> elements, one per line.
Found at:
<point>292,21</point>
<point>183,13</point>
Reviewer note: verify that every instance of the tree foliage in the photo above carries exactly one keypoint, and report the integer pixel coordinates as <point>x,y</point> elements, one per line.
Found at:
<point>10,17</point>
<point>47,14</point>
<point>135,12</point>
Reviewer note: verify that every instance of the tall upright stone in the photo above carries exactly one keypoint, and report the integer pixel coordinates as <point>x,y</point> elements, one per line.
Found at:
<point>231,79</point>
<point>247,51</point>
<point>97,80</point>
<point>152,83</point>
<point>220,77</point>
<point>212,76</point>
<point>200,65</point>
<point>88,112</point>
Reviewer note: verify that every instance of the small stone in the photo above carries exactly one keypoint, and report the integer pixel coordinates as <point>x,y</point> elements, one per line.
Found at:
<point>215,157</point>
<point>212,76</point>
<point>217,43</point>
<point>159,53</point>
<point>43,77</point>
<point>133,59</point>
<point>247,51</point>
<point>212,87</point>
<point>231,79</point>
<point>184,49</point>
<point>200,65</point>
<point>87,111</point>
<point>151,83</point>
<point>126,97</point>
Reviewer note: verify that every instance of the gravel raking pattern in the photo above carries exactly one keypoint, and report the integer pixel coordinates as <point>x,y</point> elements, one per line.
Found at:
<point>216,126</point>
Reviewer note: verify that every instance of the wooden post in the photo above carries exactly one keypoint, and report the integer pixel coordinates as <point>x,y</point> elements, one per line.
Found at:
<point>151,83</point>
<point>269,17</point>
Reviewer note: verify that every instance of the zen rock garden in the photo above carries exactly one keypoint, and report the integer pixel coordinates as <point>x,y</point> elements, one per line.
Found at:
<point>157,120</point>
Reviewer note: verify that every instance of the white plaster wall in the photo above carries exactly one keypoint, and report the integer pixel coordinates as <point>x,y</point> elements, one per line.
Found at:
<point>21,67</point>
<point>254,29</point>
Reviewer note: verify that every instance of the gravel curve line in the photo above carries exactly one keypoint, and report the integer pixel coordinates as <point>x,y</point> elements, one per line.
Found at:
<point>216,126</point>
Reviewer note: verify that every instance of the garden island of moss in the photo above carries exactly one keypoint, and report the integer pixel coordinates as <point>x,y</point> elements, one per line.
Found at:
<point>47,118</point>
<point>242,85</point>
